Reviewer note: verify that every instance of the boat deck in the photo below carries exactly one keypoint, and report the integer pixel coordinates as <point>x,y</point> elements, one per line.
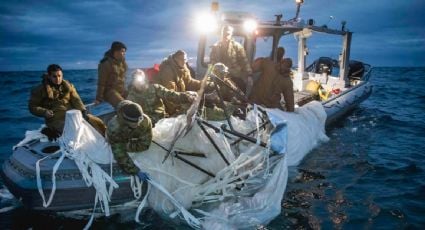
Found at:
<point>303,97</point>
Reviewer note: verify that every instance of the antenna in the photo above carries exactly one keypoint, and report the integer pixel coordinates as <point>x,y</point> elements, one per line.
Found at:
<point>299,2</point>
<point>343,23</point>
<point>278,18</point>
<point>326,24</point>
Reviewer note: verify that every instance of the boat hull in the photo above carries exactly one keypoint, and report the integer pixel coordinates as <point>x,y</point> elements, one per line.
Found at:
<point>345,102</point>
<point>19,175</point>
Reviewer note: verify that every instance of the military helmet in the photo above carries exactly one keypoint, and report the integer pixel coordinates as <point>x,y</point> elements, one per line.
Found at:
<point>130,112</point>
<point>117,45</point>
<point>220,70</point>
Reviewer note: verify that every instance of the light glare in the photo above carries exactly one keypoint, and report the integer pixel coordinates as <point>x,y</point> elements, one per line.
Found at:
<point>250,25</point>
<point>206,23</point>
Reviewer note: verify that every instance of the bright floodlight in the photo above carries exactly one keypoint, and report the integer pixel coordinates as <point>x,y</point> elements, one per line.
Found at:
<point>250,25</point>
<point>139,77</point>
<point>206,23</point>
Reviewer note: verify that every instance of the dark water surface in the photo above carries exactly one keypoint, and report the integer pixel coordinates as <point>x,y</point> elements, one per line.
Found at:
<point>370,175</point>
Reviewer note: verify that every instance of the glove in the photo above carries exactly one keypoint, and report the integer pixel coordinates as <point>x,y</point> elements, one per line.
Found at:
<point>51,134</point>
<point>85,115</point>
<point>49,113</point>
<point>191,96</point>
<point>212,98</point>
<point>143,176</point>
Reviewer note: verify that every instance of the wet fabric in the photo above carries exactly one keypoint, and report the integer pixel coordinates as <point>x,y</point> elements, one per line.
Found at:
<point>260,175</point>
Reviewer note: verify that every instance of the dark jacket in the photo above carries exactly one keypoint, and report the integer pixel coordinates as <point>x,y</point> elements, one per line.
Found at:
<point>111,79</point>
<point>59,99</point>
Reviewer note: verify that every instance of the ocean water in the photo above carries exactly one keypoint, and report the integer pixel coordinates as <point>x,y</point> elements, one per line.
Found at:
<point>370,175</point>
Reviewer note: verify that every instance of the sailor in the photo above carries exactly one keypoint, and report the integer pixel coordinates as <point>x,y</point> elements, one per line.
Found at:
<point>285,67</point>
<point>53,97</point>
<point>111,75</point>
<point>174,75</point>
<point>280,52</point>
<point>268,89</point>
<point>129,131</point>
<point>228,89</point>
<point>229,98</point>
<point>151,96</point>
<point>232,54</point>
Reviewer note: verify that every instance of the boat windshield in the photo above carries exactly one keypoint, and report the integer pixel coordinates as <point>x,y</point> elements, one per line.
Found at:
<point>264,47</point>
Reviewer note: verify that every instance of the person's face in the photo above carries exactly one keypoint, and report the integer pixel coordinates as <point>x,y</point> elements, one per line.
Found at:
<point>119,54</point>
<point>181,60</point>
<point>226,35</point>
<point>56,77</point>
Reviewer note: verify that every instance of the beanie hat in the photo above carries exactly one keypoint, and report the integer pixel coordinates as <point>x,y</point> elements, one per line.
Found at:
<point>130,111</point>
<point>116,45</point>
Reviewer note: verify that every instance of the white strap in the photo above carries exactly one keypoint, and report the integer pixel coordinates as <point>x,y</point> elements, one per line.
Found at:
<point>142,205</point>
<point>190,219</point>
<point>88,225</point>
<point>39,185</point>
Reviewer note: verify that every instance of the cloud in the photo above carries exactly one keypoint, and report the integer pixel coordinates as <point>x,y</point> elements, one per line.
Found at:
<point>77,33</point>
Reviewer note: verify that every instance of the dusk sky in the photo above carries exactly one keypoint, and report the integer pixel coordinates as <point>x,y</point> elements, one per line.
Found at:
<point>75,34</point>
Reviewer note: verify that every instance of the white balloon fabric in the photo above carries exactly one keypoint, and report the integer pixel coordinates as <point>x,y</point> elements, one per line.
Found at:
<point>249,190</point>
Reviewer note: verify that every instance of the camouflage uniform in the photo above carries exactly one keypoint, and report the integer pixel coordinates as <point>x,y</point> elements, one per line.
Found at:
<point>267,91</point>
<point>59,99</point>
<point>228,90</point>
<point>123,138</point>
<point>151,99</point>
<point>175,78</point>
<point>234,57</point>
<point>111,78</point>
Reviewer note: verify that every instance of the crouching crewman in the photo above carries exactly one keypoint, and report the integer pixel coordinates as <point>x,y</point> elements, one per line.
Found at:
<point>129,131</point>
<point>152,96</point>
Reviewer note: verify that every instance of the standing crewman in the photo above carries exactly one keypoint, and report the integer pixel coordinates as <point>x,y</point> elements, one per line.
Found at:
<point>111,75</point>
<point>129,131</point>
<point>284,65</point>
<point>268,89</point>
<point>232,54</point>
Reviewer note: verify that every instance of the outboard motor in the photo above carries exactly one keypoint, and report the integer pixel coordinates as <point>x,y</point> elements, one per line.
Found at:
<point>356,70</point>
<point>324,65</point>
